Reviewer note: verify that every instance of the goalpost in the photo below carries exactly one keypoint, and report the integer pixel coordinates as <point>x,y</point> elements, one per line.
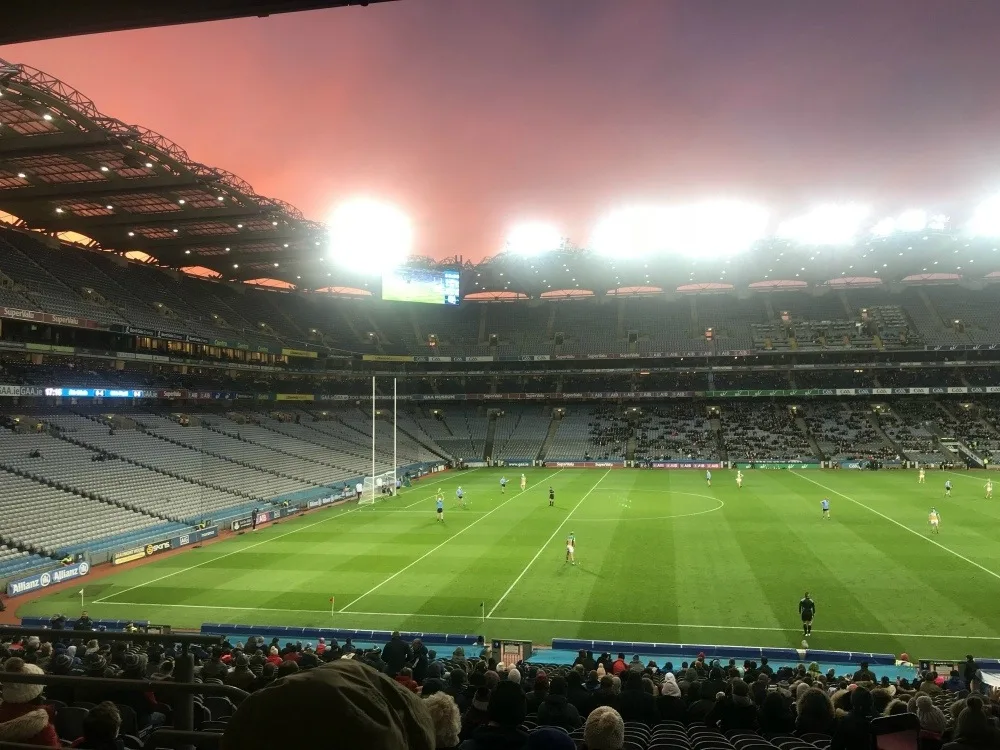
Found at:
<point>374,483</point>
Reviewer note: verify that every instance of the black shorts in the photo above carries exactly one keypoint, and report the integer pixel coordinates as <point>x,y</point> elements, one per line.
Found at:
<point>807,617</point>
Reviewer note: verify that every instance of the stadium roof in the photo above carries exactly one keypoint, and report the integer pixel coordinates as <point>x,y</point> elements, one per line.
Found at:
<point>28,22</point>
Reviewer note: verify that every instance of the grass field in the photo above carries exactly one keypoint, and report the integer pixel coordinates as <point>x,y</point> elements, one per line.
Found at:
<point>660,557</point>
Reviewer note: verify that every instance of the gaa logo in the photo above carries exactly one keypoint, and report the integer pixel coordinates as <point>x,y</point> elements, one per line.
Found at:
<point>236,525</point>
<point>45,579</point>
<point>84,568</point>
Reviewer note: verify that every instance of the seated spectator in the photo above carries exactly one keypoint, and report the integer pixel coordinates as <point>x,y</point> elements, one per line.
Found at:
<point>577,694</point>
<point>362,707</point>
<point>775,716</point>
<point>446,719</point>
<point>605,695</point>
<point>974,729</point>
<point>405,678</point>
<point>477,715</point>
<point>537,696</point>
<point>929,684</point>
<point>506,711</point>
<point>24,718</point>
<point>701,702</point>
<point>814,713</point>
<point>604,730</point>
<point>954,683</point>
<point>101,727</point>
<point>854,729</point>
<point>635,703</point>
<point>241,676</point>
<point>932,719</point>
<point>556,710</point>
<point>734,710</point>
<point>669,705</point>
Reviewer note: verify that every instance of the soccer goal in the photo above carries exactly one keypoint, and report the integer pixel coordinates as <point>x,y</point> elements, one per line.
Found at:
<point>378,487</point>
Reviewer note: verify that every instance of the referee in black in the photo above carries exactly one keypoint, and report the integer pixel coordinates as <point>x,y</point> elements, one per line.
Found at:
<point>807,608</point>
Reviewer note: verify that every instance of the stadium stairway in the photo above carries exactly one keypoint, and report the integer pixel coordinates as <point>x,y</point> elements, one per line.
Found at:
<point>873,420</point>
<point>549,437</point>
<point>317,443</point>
<point>491,432</point>
<point>804,428</point>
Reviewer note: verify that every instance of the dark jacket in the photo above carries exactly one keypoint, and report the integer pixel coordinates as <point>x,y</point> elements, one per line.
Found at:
<point>851,732</point>
<point>602,698</point>
<point>493,737</point>
<point>396,654</point>
<point>557,711</point>
<point>733,713</point>
<point>534,700</point>
<point>670,708</point>
<point>635,704</point>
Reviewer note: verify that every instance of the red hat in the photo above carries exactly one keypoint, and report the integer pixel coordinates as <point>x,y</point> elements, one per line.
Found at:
<point>701,655</point>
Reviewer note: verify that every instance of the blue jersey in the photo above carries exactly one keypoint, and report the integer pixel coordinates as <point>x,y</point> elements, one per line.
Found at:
<point>503,481</point>
<point>440,505</point>
<point>947,485</point>
<point>825,504</point>
<point>458,493</point>
<point>708,475</point>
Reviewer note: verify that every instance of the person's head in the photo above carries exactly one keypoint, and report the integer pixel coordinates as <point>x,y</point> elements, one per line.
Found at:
<point>740,689</point>
<point>607,683</point>
<point>669,686</point>
<point>861,701</point>
<point>558,685</point>
<point>514,675</point>
<point>973,723</point>
<point>774,704</point>
<point>446,717</point>
<point>21,692</point>
<point>880,699</point>
<point>102,723</point>
<point>507,705</point>
<point>895,707</point>
<point>368,709</point>
<point>604,730</point>
<point>815,706</point>
<point>932,719</point>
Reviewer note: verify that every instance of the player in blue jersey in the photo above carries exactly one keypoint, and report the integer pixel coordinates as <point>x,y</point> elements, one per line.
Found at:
<point>460,496</point>
<point>947,488</point>
<point>503,485</point>
<point>708,478</point>
<point>826,507</point>
<point>440,507</point>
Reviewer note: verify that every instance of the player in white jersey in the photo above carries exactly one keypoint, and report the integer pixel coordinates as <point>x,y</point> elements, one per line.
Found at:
<point>739,479</point>
<point>571,548</point>
<point>708,478</point>
<point>524,482</point>
<point>989,489</point>
<point>921,479</point>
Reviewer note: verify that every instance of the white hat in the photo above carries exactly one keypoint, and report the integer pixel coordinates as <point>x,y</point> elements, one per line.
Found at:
<point>19,692</point>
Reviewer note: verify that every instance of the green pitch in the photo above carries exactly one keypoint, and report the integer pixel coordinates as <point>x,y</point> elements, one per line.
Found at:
<point>660,557</point>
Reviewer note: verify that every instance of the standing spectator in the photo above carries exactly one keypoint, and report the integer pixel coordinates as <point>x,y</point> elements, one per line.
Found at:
<point>101,727</point>
<point>23,716</point>
<point>447,722</point>
<point>396,654</point>
<point>854,729</point>
<point>605,730</point>
<point>969,672</point>
<point>556,710</point>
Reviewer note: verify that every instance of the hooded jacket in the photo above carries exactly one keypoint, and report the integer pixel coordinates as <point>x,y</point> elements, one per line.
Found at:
<point>28,723</point>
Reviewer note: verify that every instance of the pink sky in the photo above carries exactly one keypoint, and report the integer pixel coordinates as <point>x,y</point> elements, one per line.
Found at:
<point>473,114</point>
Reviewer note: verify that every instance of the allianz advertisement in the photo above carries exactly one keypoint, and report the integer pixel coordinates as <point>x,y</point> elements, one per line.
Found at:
<point>48,578</point>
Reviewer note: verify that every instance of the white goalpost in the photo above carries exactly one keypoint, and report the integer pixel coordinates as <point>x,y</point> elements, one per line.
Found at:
<point>376,482</point>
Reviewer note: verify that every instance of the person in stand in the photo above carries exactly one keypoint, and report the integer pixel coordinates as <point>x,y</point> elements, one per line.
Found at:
<point>253,521</point>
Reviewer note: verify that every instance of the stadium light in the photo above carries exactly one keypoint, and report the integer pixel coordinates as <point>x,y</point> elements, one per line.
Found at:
<point>632,232</point>
<point>913,220</point>
<point>715,229</point>
<point>828,224</point>
<point>370,236</point>
<point>985,221</point>
<point>531,238</point>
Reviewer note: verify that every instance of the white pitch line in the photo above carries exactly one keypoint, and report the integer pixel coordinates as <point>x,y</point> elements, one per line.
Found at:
<point>105,599</point>
<point>900,525</point>
<point>476,618</point>
<point>547,542</point>
<point>429,552</point>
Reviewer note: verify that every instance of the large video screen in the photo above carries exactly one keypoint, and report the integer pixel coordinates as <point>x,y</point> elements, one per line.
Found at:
<point>421,285</point>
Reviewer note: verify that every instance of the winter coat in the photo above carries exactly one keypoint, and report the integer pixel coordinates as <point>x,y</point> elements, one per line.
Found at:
<point>28,723</point>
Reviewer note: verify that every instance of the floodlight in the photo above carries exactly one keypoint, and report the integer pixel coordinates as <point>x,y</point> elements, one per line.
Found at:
<point>370,236</point>
<point>913,220</point>
<point>632,232</point>
<point>885,227</point>
<point>532,238</point>
<point>985,222</point>
<point>828,224</point>
<point>715,229</point>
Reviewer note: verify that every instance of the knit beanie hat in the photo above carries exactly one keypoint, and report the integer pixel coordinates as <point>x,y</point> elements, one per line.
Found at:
<point>670,687</point>
<point>507,705</point>
<point>19,692</point>
<point>514,675</point>
<point>932,718</point>
<point>550,738</point>
<point>368,709</point>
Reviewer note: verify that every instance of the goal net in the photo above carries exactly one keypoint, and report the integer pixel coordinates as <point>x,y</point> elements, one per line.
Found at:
<point>378,487</point>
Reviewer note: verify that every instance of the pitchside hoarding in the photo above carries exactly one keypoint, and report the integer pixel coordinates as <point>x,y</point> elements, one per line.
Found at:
<point>48,578</point>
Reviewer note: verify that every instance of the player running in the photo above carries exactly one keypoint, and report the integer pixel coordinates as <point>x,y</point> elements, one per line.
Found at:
<point>440,507</point>
<point>826,507</point>
<point>552,497</point>
<point>460,496</point>
<point>571,549</point>
<point>807,609</point>
<point>503,485</point>
<point>921,479</point>
<point>935,521</point>
<point>989,489</point>
<point>708,478</point>
<point>524,483</point>
<point>739,480</point>
<point>947,488</point>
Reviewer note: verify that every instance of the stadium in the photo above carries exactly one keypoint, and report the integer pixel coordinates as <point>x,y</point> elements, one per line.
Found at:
<point>215,435</point>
